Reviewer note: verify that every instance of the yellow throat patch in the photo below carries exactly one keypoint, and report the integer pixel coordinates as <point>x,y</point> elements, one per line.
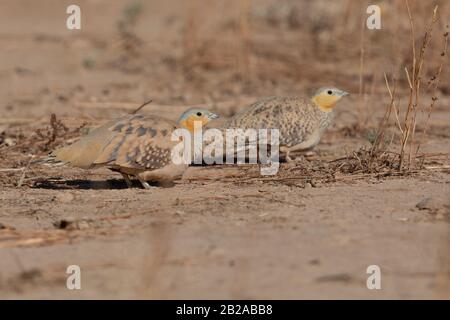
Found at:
<point>190,122</point>
<point>325,102</point>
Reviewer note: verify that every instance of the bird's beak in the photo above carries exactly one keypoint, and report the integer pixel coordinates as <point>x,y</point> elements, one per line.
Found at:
<point>212,116</point>
<point>344,93</point>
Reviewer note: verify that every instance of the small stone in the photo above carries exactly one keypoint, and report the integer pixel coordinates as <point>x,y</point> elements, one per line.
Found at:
<point>424,204</point>
<point>432,205</point>
<point>9,142</point>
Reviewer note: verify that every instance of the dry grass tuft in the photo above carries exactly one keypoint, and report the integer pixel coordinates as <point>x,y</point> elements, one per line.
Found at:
<point>47,139</point>
<point>405,159</point>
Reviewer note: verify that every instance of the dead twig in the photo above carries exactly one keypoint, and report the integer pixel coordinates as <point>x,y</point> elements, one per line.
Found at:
<point>141,106</point>
<point>414,81</point>
<point>434,82</point>
<point>12,169</point>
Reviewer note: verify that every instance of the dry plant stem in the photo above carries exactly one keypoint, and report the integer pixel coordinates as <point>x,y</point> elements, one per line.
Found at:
<point>383,124</point>
<point>406,130</point>
<point>396,110</point>
<point>369,118</point>
<point>425,44</point>
<point>141,106</point>
<point>16,121</point>
<point>436,79</point>
<point>407,126</point>
<point>12,169</point>
<point>414,83</point>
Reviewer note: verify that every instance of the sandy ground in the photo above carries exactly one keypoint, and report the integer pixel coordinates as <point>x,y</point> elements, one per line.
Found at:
<point>220,232</point>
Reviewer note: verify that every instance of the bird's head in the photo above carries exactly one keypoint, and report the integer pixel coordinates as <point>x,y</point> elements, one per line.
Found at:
<point>188,119</point>
<point>326,98</point>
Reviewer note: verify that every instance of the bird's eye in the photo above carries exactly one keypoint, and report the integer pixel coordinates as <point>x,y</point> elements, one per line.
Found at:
<point>199,114</point>
<point>330,92</point>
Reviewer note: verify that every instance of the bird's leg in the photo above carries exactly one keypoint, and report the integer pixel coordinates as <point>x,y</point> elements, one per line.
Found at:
<point>127,179</point>
<point>287,157</point>
<point>144,183</point>
<point>286,151</point>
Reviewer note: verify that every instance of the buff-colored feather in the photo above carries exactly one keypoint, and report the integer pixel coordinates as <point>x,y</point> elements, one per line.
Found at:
<point>301,121</point>
<point>138,145</point>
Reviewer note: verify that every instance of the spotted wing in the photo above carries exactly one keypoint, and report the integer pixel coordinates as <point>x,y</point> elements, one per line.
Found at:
<point>290,115</point>
<point>140,142</point>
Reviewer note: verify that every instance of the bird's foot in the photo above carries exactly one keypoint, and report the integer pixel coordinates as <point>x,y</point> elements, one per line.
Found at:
<point>145,184</point>
<point>289,159</point>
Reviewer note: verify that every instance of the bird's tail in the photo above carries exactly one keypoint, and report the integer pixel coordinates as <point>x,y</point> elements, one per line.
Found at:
<point>50,160</point>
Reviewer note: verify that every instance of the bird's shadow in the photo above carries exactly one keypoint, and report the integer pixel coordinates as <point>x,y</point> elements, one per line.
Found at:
<point>109,184</point>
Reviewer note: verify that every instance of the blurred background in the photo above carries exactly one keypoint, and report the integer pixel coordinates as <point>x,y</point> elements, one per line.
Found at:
<point>196,51</point>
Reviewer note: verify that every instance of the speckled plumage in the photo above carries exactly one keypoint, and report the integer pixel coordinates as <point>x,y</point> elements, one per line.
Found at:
<point>137,142</point>
<point>138,145</point>
<point>301,123</point>
<point>132,145</point>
